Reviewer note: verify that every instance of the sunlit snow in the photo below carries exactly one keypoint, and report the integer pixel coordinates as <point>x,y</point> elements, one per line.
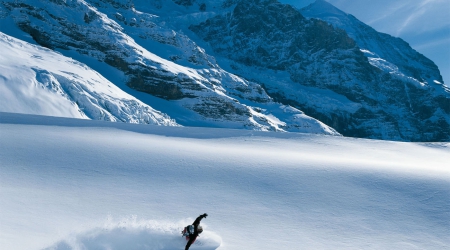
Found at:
<point>36,80</point>
<point>82,184</point>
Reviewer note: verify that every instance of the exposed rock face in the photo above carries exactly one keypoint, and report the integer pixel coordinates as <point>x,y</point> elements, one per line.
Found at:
<point>184,2</point>
<point>271,35</point>
<point>394,50</point>
<point>267,34</point>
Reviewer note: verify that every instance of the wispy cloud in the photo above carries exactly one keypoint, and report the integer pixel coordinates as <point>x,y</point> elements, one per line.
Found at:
<point>418,11</point>
<point>389,12</point>
<point>410,19</point>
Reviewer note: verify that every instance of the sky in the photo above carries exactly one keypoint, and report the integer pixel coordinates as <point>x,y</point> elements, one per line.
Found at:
<point>424,24</point>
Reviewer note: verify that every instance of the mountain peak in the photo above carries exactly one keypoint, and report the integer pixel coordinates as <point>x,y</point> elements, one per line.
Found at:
<point>390,49</point>
<point>320,7</point>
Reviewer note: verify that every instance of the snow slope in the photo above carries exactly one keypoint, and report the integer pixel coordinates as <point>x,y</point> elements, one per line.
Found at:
<point>36,80</point>
<point>80,184</point>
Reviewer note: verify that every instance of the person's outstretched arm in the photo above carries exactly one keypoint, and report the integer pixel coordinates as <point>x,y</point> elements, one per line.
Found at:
<point>197,221</point>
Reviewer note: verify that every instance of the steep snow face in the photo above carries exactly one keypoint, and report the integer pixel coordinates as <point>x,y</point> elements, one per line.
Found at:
<point>36,80</point>
<point>317,56</point>
<point>382,46</point>
<point>195,88</point>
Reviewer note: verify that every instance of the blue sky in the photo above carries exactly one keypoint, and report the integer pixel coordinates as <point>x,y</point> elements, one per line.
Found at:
<point>424,24</point>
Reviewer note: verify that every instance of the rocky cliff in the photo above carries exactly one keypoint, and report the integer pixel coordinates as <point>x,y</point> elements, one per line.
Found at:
<point>353,92</point>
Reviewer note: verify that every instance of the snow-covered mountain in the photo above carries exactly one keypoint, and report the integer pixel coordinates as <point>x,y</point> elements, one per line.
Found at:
<point>195,91</point>
<point>36,80</point>
<point>390,54</point>
<point>328,75</point>
<point>254,64</point>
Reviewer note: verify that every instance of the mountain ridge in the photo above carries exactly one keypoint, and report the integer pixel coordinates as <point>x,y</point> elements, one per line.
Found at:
<point>383,46</point>
<point>225,80</point>
<point>356,79</point>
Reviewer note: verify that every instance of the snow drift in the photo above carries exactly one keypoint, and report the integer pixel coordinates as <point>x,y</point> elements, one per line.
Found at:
<point>136,234</point>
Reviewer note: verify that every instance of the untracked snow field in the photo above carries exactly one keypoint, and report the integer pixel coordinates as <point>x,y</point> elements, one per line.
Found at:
<point>81,184</point>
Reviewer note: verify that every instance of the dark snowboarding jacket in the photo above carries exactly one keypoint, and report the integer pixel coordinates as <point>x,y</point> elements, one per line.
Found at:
<point>193,237</point>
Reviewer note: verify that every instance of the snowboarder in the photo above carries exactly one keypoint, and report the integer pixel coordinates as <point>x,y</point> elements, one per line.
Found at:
<point>192,231</point>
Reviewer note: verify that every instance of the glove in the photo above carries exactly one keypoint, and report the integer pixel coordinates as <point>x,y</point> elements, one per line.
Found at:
<point>204,215</point>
